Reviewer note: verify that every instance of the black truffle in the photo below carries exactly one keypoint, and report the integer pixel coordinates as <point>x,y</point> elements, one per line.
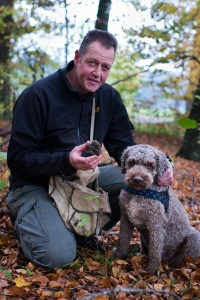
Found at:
<point>94,148</point>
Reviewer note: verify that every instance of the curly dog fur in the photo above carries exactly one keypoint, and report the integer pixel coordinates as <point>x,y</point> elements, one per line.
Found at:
<point>164,235</point>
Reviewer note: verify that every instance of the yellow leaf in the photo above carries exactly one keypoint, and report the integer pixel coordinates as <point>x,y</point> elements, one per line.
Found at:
<point>6,175</point>
<point>58,295</point>
<point>121,262</point>
<point>168,281</point>
<point>21,282</point>
<point>116,270</point>
<point>30,266</point>
<point>1,242</point>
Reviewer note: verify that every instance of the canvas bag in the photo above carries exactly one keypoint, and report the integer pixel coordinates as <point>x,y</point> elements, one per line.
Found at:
<point>84,210</point>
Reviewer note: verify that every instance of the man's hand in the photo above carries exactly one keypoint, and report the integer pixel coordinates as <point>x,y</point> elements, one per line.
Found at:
<point>83,163</point>
<point>167,177</point>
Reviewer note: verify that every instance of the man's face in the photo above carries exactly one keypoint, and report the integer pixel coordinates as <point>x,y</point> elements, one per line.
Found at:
<point>93,67</point>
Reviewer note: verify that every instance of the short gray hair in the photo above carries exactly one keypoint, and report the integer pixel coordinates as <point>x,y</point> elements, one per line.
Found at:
<point>105,38</point>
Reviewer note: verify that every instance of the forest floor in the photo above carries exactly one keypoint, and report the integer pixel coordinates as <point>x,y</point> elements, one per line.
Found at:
<point>94,273</point>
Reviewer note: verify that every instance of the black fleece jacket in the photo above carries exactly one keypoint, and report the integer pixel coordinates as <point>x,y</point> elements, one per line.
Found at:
<point>50,119</point>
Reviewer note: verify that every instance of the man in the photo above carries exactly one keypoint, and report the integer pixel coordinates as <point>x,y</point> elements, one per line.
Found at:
<point>50,131</point>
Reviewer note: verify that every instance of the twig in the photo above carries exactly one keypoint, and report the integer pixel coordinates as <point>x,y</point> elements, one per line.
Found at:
<point>195,222</point>
<point>130,291</point>
<point>4,210</point>
<point>4,142</point>
<point>192,197</point>
<point>4,198</point>
<point>5,133</point>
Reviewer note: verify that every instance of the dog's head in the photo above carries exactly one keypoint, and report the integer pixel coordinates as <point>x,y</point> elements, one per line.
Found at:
<point>143,164</point>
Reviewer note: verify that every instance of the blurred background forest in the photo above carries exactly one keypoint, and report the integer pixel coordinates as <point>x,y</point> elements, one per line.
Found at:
<point>157,67</point>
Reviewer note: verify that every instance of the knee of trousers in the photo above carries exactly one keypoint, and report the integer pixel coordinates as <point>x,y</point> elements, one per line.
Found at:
<point>53,255</point>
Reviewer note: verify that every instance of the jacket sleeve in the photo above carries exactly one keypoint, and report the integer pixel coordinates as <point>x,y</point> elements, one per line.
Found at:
<point>120,133</point>
<point>26,156</point>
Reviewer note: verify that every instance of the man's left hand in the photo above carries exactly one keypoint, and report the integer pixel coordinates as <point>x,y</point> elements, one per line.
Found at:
<point>167,177</point>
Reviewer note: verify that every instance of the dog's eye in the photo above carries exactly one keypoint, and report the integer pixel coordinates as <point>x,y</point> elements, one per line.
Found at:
<point>150,165</point>
<point>131,163</point>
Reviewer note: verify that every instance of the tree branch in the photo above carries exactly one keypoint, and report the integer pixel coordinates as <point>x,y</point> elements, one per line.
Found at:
<point>130,291</point>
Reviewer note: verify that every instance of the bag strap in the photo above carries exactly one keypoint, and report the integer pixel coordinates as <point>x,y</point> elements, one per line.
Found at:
<point>96,181</point>
<point>92,119</point>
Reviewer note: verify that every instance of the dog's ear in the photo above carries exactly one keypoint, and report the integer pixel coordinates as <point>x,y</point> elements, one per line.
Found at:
<point>162,164</point>
<point>125,155</point>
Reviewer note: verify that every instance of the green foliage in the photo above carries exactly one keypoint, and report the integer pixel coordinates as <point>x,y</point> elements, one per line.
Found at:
<point>6,272</point>
<point>169,35</point>
<point>124,75</point>
<point>84,219</point>
<point>3,156</point>
<point>93,198</point>
<point>3,184</point>
<point>21,23</point>
<point>187,123</point>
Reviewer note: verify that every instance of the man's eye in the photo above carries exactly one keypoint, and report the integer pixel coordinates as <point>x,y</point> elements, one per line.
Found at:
<point>106,68</point>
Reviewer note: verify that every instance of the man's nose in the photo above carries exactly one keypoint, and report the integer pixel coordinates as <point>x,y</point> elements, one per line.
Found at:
<point>97,71</point>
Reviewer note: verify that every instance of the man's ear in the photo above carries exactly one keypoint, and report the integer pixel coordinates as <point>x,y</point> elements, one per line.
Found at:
<point>76,57</point>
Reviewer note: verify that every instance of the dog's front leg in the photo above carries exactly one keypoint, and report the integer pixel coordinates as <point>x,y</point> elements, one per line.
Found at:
<point>156,244</point>
<point>125,235</point>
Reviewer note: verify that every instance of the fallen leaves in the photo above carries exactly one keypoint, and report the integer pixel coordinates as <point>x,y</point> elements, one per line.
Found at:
<point>93,272</point>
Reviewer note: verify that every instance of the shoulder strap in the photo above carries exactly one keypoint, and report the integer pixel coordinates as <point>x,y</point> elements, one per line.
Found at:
<point>92,119</point>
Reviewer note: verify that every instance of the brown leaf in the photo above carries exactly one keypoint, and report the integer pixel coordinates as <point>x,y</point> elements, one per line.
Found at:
<point>187,295</point>
<point>92,265</point>
<point>82,294</point>
<point>158,286</point>
<point>40,280</point>
<point>90,278</point>
<point>105,282</point>
<point>18,291</point>
<point>55,284</point>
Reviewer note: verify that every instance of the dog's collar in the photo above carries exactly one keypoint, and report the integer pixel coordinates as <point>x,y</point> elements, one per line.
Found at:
<point>163,197</point>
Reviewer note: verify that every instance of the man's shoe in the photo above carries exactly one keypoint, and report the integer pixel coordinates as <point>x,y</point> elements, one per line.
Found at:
<point>90,243</point>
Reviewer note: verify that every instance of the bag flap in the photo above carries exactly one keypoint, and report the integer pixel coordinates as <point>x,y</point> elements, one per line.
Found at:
<point>86,200</point>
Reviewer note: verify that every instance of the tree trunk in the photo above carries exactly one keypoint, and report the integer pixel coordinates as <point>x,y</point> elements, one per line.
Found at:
<point>6,7</point>
<point>190,148</point>
<point>103,14</point>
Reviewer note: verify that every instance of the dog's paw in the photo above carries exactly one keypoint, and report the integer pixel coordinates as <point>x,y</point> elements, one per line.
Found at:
<point>152,269</point>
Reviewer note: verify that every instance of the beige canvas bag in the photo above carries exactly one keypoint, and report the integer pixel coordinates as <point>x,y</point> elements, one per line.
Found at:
<point>84,210</point>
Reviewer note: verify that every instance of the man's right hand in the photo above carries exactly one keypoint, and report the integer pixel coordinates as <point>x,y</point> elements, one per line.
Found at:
<point>83,163</point>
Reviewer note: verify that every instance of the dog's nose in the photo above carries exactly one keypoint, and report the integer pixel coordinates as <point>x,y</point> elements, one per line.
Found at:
<point>137,178</point>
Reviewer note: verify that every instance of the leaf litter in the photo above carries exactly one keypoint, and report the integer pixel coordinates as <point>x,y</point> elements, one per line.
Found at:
<point>95,273</point>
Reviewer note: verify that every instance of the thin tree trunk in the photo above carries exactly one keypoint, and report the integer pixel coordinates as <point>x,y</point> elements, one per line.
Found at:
<point>6,7</point>
<point>103,14</point>
<point>190,148</point>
